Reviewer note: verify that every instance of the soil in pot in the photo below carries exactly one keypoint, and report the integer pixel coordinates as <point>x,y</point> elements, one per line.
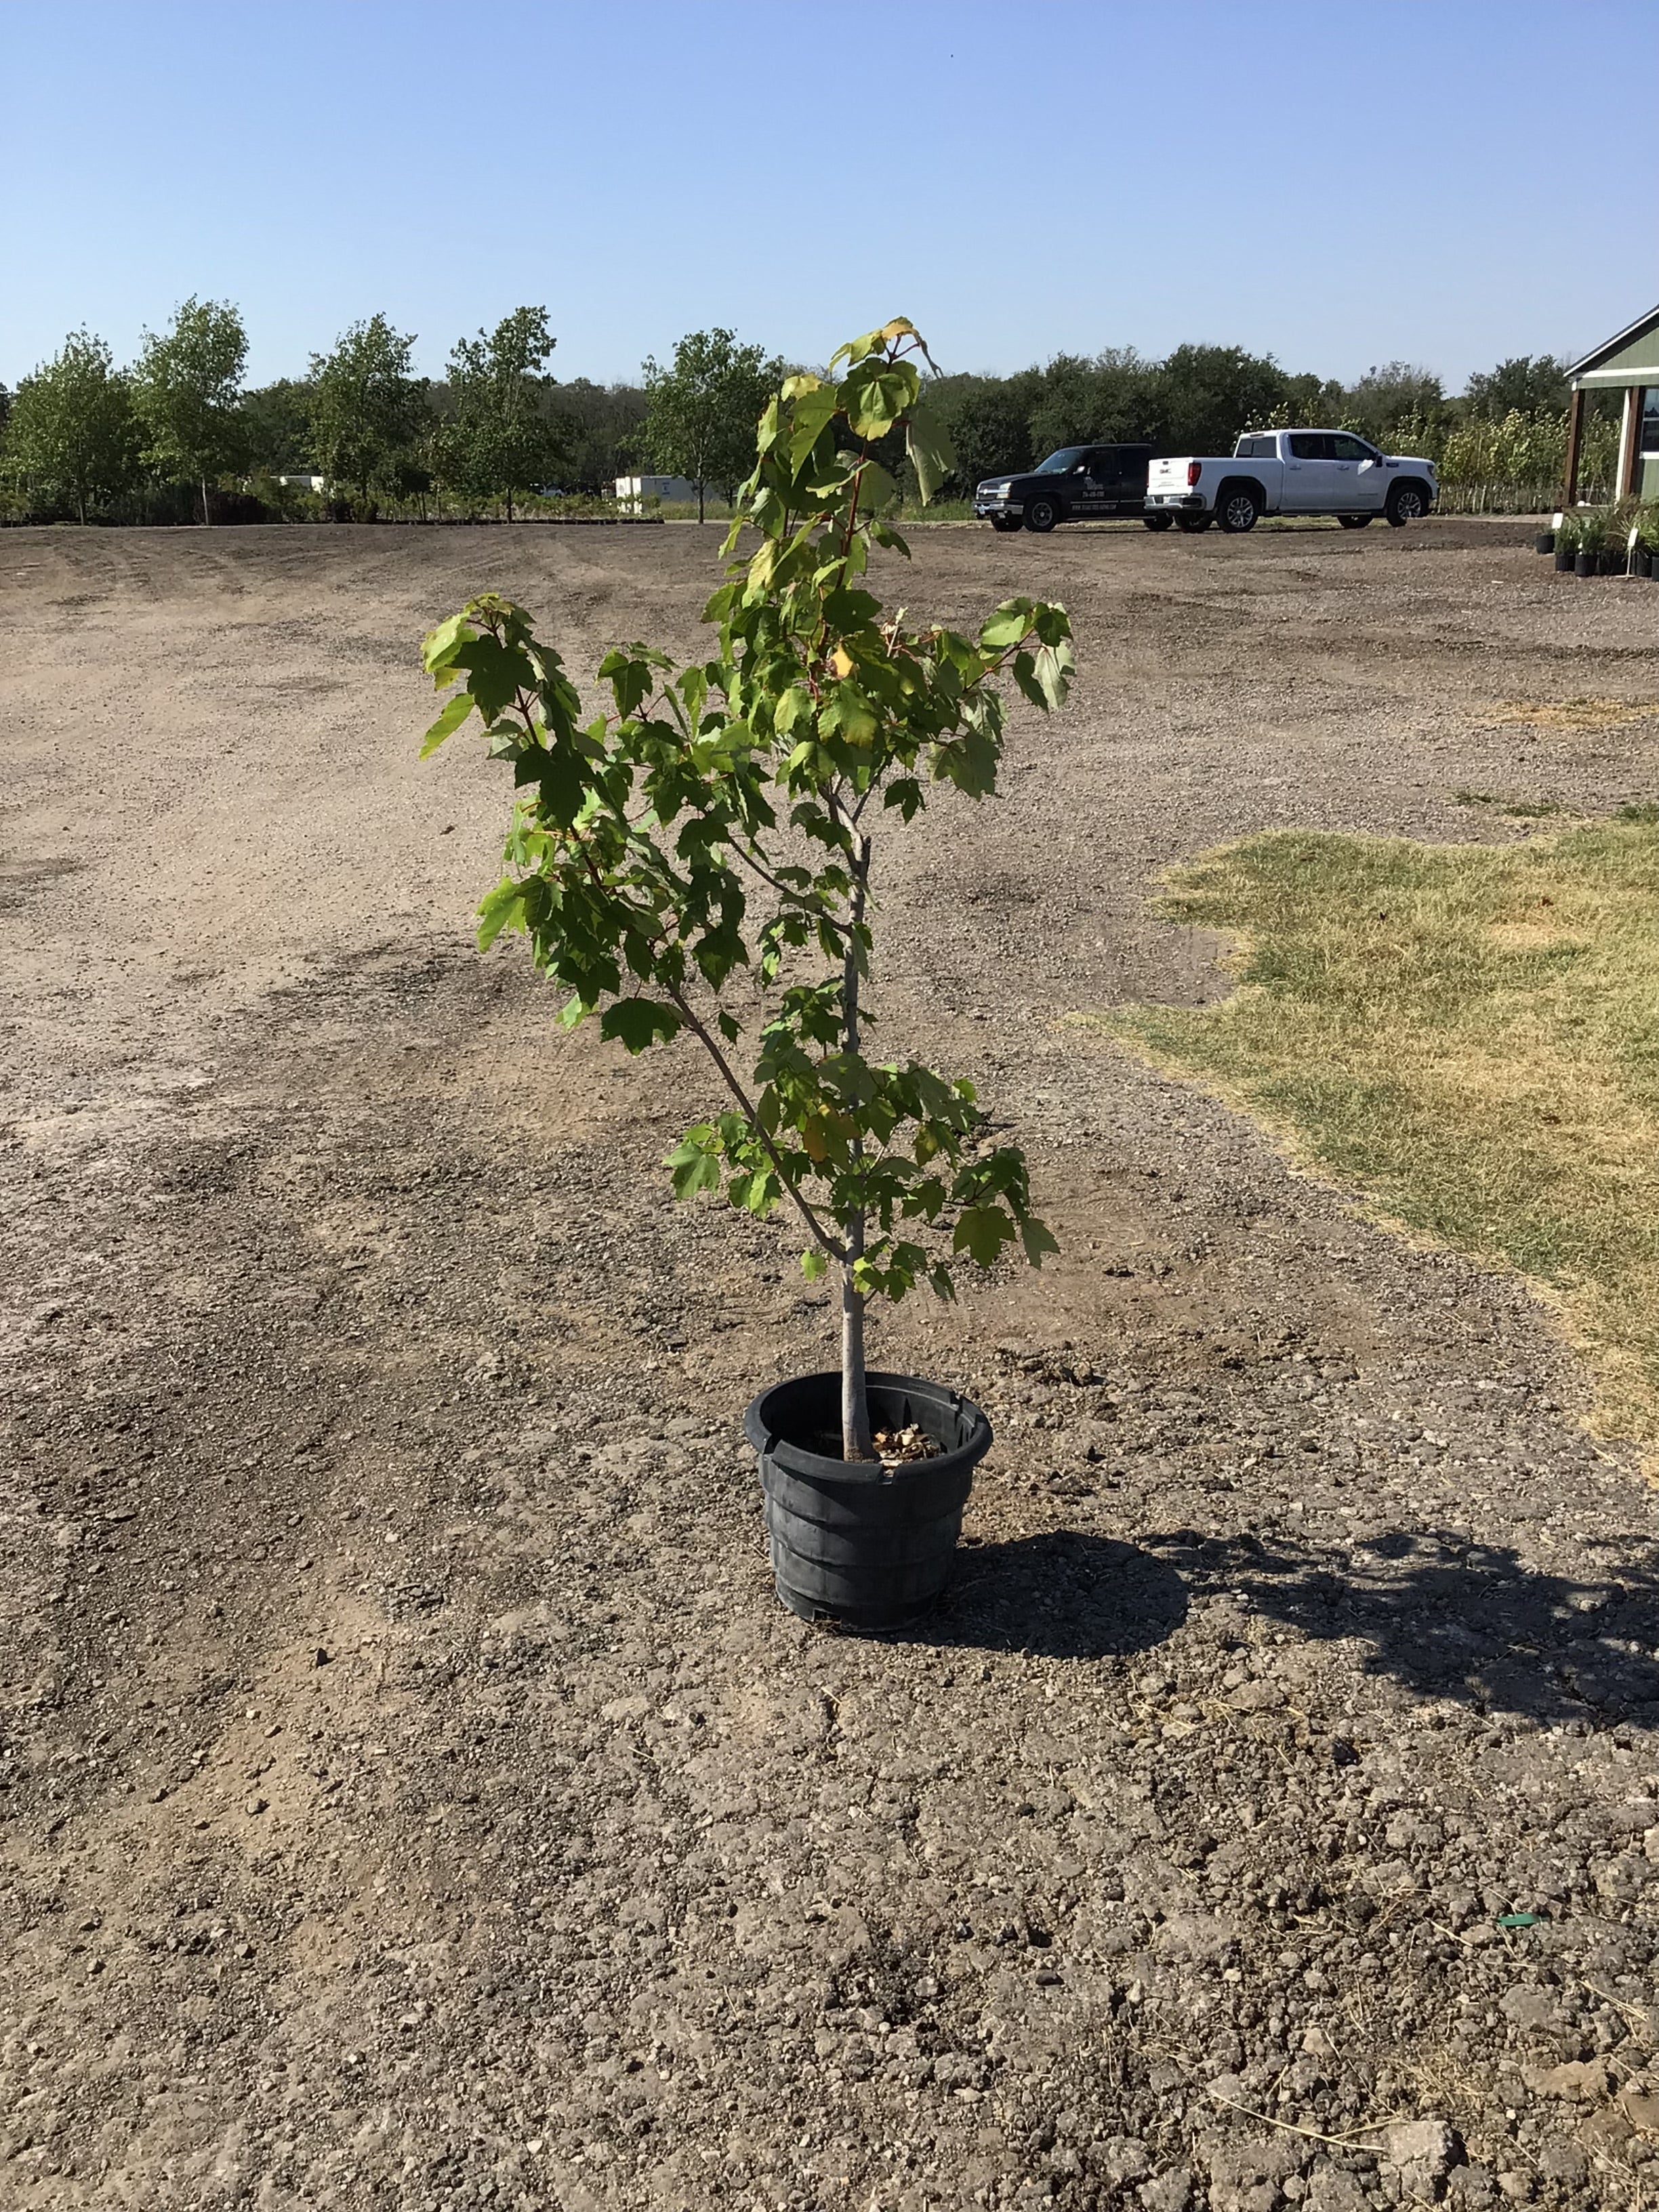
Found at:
<point>869,1543</point>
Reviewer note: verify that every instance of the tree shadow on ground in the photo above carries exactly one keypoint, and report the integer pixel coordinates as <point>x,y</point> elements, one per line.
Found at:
<point>1446,1618</point>
<point>1061,1595</point>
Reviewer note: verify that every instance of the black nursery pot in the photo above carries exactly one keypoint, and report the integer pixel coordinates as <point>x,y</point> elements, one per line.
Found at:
<point>852,1541</point>
<point>1585,564</point>
<point>1545,542</point>
<point>1564,559</point>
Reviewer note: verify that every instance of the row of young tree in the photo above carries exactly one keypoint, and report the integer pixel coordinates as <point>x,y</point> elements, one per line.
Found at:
<point>84,437</point>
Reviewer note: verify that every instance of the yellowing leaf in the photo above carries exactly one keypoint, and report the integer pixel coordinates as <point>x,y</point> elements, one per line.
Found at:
<point>842,661</point>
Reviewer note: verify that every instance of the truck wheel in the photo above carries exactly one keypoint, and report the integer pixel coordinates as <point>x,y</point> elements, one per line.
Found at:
<point>1041,515</point>
<point>1355,521</point>
<point>1005,522</point>
<point>1237,510</point>
<point>1408,503</point>
<point>1193,524</point>
<point>1157,521</point>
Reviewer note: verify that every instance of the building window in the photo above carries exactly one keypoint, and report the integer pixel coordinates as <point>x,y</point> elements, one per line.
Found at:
<point>1649,441</point>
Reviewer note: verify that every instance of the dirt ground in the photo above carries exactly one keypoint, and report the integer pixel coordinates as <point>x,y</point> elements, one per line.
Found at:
<point>411,1792</point>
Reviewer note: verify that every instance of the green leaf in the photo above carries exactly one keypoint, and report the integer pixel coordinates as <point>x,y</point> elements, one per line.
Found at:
<point>1011,621</point>
<point>693,1164</point>
<point>447,723</point>
<point>813,1265</point>
<point>639,1022</point>
<point>502,910</point>
<point>982,1231</point>
<point>1038,1241</point>
<point>496,673</point>
<point>875,403</point>
<point>932,456</point>
<point>440,646</point>
<point>812,410</point>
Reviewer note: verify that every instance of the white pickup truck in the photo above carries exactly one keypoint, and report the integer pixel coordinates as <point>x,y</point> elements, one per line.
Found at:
<point>1290,472</point>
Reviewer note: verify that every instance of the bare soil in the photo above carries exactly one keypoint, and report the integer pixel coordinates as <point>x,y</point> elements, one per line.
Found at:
<point>413,1795</point>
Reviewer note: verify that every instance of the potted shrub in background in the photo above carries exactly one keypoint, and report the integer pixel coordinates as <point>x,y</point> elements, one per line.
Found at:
<point>1545,541</point>
<point>1566,542</point>
<point>1647,540</point>
<point>700,860</point>
<point>1591,542</point>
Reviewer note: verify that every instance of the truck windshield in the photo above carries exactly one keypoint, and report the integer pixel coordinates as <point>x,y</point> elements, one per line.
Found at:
<point>1057,465</point>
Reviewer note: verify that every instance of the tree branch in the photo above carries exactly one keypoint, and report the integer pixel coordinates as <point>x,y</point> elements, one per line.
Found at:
<point>700,1030</point>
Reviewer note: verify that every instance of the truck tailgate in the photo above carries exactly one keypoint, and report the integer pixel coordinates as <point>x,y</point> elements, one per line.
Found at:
<point>1167,476</point>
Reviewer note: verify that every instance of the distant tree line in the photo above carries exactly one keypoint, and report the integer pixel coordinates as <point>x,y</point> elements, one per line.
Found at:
<point>177,435</point>
<point>1199,398</point>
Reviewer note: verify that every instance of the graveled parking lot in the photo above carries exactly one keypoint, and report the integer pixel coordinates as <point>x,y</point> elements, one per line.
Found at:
<point>412,1796</point>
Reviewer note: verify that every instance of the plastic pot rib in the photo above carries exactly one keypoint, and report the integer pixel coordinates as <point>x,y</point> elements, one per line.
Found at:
<point>853,1540</point>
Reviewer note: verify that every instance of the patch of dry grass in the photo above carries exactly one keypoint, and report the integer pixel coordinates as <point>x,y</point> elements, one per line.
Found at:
<point>1469,1036</point>
<point>1574,714</point>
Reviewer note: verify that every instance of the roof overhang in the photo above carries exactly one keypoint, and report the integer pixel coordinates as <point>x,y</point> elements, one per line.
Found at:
<point>1616,379</point>
<point>1588,370</point>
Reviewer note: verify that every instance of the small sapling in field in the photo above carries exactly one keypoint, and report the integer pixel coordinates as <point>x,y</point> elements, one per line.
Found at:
<point>707,844</point>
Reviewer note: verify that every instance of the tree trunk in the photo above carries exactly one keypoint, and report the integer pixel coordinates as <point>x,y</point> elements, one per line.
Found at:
<point>856,1441</point>
<point>509,506</point>
<point>207,512</point>
<point>699,502</point>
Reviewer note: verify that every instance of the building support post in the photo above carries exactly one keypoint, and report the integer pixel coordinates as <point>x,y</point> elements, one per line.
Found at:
<point>1624,483</point>
<point>1575,440</point>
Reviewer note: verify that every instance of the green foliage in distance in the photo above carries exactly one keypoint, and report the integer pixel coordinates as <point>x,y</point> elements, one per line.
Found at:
<point>705,847</point>
<point>1525,384</point>
<point>275,428</point>
<point>502,436</point>
<point>186,388</point>
<point>367,410</point>
<point>72,432</point>
<point>701,411</point>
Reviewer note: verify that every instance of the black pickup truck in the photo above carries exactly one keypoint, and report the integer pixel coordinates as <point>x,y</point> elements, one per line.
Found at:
<point>1079,484</point>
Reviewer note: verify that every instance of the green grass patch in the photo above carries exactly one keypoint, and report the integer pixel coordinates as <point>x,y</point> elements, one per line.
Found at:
<point>1468,1035</point>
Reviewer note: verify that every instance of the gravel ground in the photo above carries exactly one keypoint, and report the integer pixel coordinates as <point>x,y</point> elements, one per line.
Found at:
<point>411,1792</point>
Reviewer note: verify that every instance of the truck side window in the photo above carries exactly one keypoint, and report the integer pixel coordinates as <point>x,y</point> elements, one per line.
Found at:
<point>1311,446</point>
<point>1350,449</point>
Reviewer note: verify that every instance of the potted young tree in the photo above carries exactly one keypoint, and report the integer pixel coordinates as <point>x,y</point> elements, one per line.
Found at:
<point>1566,544</point>
<point>1591,542</point>
<point>718,826</point>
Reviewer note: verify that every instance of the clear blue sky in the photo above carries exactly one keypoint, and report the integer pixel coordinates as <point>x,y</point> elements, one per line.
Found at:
<point>1446,181</point>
